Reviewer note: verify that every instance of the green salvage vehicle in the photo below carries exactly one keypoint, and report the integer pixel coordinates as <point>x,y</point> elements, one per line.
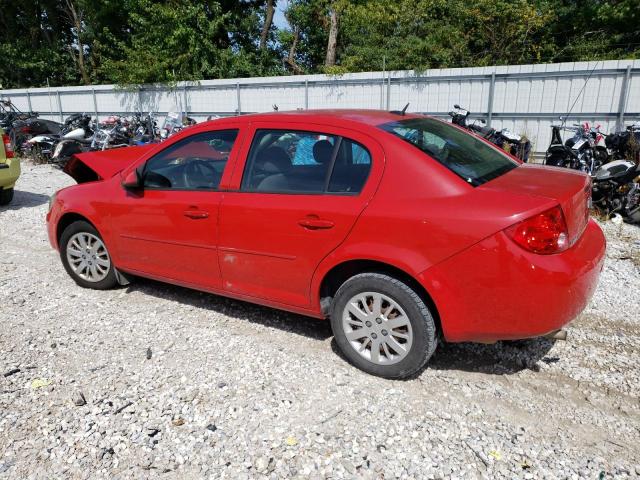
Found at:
<point>9,169</point>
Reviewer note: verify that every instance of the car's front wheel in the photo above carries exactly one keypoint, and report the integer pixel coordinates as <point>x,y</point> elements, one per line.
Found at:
<point>6,195</point>
<point>85,257</point>
<point>383,326</point>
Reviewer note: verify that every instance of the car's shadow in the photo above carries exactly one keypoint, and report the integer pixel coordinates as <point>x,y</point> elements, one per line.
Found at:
<point>22,199</point>
<point>268,317</point>
<point>501,358</point>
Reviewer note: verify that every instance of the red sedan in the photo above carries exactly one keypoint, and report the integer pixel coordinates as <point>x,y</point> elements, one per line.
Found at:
<point>398,228</point>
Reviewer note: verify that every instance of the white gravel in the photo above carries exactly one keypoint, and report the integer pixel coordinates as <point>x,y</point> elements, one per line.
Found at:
<point>233,390</point>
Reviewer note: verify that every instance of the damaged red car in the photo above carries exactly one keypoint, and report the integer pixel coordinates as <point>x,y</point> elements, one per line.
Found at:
<point>399,228</point>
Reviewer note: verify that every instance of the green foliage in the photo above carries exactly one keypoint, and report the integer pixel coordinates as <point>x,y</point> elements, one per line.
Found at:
<point>420,34</point>
<point>130,42</point>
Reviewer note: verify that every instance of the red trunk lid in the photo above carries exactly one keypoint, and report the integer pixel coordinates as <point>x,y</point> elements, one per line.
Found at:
<point>569,188</point>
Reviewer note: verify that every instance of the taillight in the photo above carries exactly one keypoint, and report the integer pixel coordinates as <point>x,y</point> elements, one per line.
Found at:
<point>545,233</point>
<point>8,148</point>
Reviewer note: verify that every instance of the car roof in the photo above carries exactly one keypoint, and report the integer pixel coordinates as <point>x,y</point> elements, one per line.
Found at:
<point>333,117</point>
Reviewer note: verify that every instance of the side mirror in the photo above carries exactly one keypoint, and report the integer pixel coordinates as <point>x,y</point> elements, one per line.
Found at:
<point>133,180</point>
<point>456,105</point>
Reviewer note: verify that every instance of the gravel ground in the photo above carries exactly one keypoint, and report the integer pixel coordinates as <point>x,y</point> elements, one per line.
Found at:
<point>156,380</point>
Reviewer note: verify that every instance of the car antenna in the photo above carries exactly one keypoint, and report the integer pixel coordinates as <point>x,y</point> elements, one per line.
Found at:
<point>564,120</point>
<point>401,112</point>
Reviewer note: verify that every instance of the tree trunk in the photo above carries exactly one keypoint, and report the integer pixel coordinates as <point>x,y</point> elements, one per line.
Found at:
<point>332,44</point>
<point>268,19</point>
<point>291,59</point>
<point>77,23</point>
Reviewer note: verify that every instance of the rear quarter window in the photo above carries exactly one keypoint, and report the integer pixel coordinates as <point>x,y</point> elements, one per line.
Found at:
<point>464,154</point>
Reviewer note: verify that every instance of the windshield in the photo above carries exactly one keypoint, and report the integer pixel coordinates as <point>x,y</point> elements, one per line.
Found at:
<point>462,153</point>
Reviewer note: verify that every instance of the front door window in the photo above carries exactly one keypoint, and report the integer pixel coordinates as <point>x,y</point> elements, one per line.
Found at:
<point>195,163</point>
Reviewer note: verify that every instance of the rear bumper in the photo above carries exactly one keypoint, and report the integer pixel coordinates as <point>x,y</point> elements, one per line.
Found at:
<point>9,175</point>
<point>497,291</point>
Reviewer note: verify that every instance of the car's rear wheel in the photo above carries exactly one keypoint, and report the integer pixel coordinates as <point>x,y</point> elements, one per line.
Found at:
<point>85,257</point>
<point>6,195</point>
<point>383,326</point>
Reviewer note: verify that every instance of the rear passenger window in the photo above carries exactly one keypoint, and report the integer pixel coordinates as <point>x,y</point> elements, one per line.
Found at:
<point>305,162</point>
<point>351,168</point>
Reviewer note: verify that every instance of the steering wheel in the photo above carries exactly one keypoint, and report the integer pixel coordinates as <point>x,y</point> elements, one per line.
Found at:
<point>199,174</point>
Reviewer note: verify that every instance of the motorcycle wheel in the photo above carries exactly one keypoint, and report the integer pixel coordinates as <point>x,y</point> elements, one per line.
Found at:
<point>601,156</point>
<point>634,217</point>
<point>633,213</point>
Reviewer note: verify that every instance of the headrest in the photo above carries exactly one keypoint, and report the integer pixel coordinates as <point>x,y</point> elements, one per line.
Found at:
<point>322,151</point>
<point>273,160</point>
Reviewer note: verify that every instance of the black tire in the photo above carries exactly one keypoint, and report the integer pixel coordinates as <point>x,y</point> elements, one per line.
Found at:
<point>422,324</point>
<point>6,195</point>
<point>109,281</point>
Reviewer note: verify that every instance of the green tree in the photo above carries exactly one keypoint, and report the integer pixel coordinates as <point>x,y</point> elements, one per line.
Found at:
<point>187,40</point>
<point>33,36</point>
<point>67,42</point>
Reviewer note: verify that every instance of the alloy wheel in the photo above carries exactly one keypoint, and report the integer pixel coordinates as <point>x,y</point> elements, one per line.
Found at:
<point>377,328</point>
<point>88,257</point>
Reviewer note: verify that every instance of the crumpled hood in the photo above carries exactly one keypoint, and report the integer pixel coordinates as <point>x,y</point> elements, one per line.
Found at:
<point>100,165</point>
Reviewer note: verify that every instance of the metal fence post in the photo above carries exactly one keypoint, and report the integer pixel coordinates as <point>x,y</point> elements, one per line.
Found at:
<point>60,106</point>
<point>492,89</point>
<point>389,90</point>
<point>29,101</point>
<point>95,103</point>
<point>306,94</point>
<point>238,98</point>
<point>624,93</point>
<point>140,98</point>
<point>184,95</point>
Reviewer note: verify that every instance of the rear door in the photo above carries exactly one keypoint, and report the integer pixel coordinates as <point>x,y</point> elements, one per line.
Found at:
<point>298,192</point>
<point>169,229</point>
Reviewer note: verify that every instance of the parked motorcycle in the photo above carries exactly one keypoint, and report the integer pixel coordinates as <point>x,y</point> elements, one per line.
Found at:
<point>513,143</point>
<point>144,129</point>
<point>578,152</point>
<point>112,133</point>
<point>625,145</point>
<point>174,123</point>
<point>75,129</point>
<point>616,189</point>
<point>601,152</point>
<point>9,113</point>
<point>21,126</point>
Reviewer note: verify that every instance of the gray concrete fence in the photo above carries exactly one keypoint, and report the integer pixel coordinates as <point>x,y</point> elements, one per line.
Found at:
<point>527,99</point>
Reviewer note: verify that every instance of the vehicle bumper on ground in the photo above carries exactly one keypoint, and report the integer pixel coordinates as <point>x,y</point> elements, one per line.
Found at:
<point>9,172</point>
<point>497,291</point>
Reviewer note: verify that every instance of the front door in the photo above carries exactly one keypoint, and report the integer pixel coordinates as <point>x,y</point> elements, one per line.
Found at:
<point>169,228</point>
<point>300,193</point>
